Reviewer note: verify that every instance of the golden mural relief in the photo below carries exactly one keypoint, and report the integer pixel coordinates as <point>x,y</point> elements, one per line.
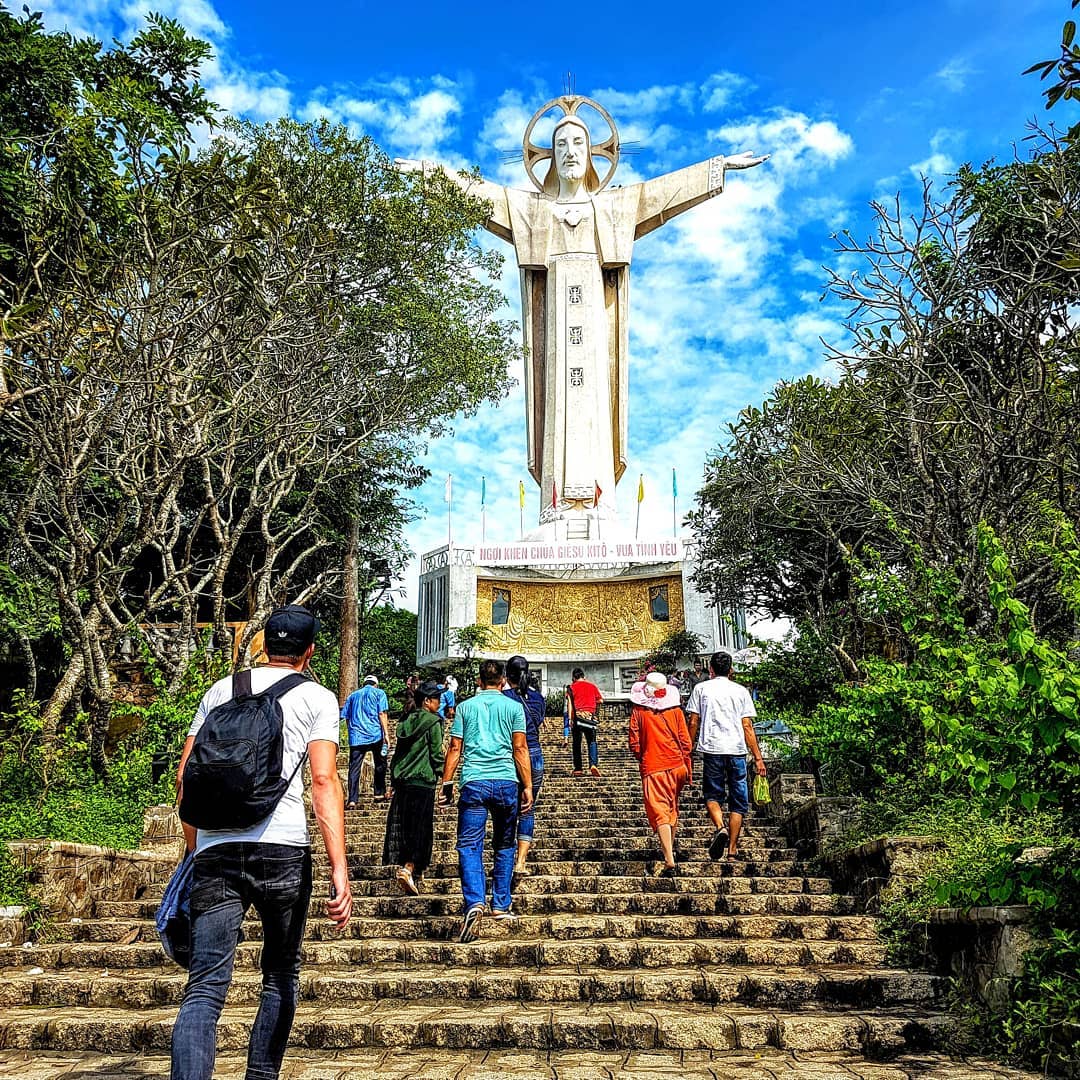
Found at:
<point>579,617</point>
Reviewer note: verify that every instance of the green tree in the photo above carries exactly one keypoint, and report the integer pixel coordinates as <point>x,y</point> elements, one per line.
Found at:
<point>218,374</point>
<point>954,406</point>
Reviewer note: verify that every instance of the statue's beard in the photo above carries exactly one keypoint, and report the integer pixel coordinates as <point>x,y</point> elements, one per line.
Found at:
<point>573,172</point>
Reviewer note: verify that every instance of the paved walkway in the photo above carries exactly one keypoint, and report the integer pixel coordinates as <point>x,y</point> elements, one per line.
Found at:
<point>510,1064</point>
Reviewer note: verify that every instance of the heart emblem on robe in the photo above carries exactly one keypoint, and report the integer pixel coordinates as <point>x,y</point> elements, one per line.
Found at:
<point>573,216</point>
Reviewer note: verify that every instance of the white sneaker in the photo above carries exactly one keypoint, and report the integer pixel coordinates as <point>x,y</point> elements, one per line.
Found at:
<point>504,916</point>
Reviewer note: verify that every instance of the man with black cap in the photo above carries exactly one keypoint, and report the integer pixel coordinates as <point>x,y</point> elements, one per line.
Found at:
<point>266,865</point>
<point>532,701</point>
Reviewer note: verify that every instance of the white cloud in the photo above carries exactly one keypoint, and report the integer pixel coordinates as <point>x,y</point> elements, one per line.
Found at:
<point>409,118</point>
<point>941,162</point>
<point>720,90</point>
<point>955,74</point>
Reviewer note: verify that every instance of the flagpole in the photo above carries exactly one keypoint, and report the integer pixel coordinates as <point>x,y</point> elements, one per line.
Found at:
<point>449,510</point>
<point>483,509</point>
<point>640,496</point>
<point>521,510</point>
<point>674,510</point>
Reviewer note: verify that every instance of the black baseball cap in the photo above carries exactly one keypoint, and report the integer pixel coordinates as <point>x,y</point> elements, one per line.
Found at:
<point>429,689</point>
<point>289,630</point>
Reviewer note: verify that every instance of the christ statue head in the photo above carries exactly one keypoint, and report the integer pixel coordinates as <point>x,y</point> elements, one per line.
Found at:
<point>571,159</point>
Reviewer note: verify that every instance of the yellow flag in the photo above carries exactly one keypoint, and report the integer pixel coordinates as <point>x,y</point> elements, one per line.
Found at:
<point>641,487</point>
<point>521,494</point>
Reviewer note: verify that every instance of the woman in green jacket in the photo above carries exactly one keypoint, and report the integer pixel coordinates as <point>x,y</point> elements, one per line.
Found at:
<point>414,775</point>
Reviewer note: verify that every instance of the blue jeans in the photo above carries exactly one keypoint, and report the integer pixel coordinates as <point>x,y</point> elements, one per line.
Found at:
<point>526,825</point>
<point>476,800</point>
<point>275,879</point>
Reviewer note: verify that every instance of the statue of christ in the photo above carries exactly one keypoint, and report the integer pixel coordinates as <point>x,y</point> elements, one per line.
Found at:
<point>574,241</point>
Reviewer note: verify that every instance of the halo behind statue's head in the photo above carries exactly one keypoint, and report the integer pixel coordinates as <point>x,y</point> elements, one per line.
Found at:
<point>608,149</point>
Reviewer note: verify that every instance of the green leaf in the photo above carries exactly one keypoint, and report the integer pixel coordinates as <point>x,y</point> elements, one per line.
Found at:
<point>1068,32</point>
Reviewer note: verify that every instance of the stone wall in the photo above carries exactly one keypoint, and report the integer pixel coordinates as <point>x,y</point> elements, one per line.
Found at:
<point>810,822</point>
<point>68,879</point>
<point>983,947</point>
<point>882,868</point>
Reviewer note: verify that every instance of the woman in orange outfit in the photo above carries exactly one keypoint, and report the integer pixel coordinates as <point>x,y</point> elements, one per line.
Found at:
<point>660,740</point>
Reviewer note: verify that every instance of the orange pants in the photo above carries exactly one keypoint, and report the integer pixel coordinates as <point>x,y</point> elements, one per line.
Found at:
<point>661,791</point>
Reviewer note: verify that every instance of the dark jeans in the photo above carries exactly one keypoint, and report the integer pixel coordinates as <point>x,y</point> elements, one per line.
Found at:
<point>589,735</point>
<point>275,879</point>
<point>476,800</point>
<point>356,760</point>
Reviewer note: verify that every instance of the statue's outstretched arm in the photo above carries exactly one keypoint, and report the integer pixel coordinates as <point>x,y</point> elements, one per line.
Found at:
<point>498,220</point>
<point>664,197</point>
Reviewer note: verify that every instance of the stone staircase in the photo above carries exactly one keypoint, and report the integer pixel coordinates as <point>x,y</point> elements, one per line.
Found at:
<point>754,965</point>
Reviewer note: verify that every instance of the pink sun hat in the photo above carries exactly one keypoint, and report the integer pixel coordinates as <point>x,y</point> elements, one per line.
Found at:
<point>654,693</point>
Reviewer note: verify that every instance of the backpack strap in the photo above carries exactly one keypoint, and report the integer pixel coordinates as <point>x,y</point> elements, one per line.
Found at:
<point>241,683</point>
<point>274,693</point>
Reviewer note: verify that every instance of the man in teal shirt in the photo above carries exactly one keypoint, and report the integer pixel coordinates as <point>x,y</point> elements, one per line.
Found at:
<point>488,738</point>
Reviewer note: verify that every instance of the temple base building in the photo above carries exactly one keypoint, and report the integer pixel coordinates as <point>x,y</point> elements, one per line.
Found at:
<point>569,604</point>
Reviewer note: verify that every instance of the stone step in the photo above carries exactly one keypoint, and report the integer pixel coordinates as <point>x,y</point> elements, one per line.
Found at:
<point>395,1064</point>
<point>497,948</point>
<point>450,1024</point>
<point>643,865</point>
<point>698,833</point>
<point>371,851</point>
<point>443,878</point>
<point>756,986</point>
<point>410,918</point>
<point>533,895</point>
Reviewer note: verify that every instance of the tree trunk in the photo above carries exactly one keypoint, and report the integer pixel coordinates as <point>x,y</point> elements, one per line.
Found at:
<point>349,641</point>
<point>65,690</point>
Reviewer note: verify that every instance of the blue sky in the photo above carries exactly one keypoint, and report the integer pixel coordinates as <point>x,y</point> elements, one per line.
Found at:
<point>855,102</point>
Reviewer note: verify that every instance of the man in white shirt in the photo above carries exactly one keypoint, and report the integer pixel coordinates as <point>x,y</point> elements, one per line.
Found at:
<point>721,717</point>
<point>266,866</point>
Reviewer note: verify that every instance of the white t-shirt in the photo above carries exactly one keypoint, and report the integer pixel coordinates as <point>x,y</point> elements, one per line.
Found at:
<point>309,713</point>
<point>721,704</point>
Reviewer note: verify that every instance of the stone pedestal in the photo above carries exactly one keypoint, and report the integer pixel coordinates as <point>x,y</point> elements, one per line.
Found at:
<point>567,604</point>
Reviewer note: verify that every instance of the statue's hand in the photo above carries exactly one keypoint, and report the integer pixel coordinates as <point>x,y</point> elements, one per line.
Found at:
<point>745,160</point>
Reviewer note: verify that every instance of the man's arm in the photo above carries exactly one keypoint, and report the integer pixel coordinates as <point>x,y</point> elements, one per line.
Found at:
<point>453,756</point>
<point>751,740</point>
<point>189,830</point>
<point>328,804</point>
<point>523,766</point>
<point>693,722</point>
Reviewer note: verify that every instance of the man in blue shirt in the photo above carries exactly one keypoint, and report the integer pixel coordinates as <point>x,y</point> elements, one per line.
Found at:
<point>448,697</point>
<point>532,701</point>
<point>365,712</point>
<point>488,738</point>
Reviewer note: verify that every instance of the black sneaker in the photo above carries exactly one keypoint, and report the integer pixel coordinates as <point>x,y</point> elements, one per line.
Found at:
<point>669,872</point>
<point>470,926</point>
<point>718,844</point>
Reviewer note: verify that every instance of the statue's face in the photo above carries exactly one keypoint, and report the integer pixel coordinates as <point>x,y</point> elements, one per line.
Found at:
<point>571,148</point>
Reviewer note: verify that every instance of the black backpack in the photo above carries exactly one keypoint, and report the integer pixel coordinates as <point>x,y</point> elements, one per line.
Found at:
<point>232,779</point>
